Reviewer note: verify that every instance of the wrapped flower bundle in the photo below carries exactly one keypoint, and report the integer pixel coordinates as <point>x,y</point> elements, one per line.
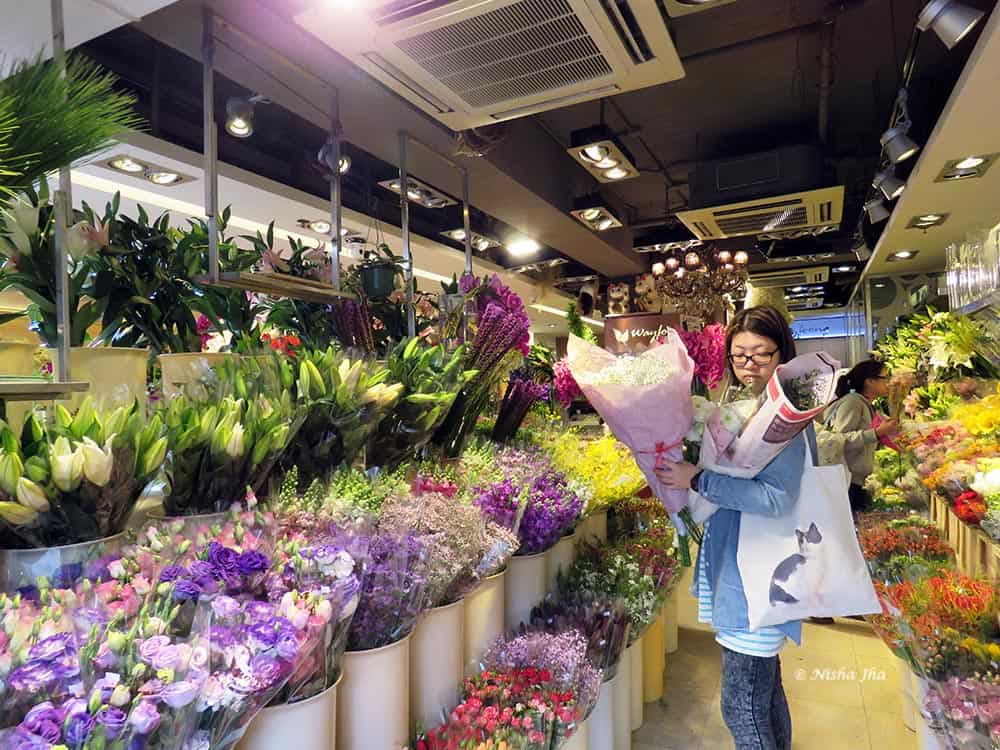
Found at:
<point>431,381</point>
<point>78,478</point>
<point>521,393</point>
<point>604,623</point>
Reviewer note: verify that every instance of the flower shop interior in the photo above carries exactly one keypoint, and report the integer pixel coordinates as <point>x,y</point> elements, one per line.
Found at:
<point>326,327</point>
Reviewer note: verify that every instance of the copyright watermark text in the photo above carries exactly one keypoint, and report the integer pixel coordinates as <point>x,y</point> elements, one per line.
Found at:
<point>869,674</point>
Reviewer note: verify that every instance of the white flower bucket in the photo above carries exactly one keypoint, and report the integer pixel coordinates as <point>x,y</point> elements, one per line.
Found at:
<point>595,526</point>
<point>117,375</point>
<point>906,688</point>
<point>373,702</point>
<point>484,620</point>
<point>927,738</point>
<point>601,723</point>
<point>634,653</point>
<point>436,664</point>
<point>525,587</point>
<point>559,558</point>
<point>307,725</point>
<point>580,739</point>
<point>670,621</point>
<point>187,367</point>
<point>623,705</point>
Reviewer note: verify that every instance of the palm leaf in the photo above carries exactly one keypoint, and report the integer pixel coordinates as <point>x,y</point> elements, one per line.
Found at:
<point>57,122</point>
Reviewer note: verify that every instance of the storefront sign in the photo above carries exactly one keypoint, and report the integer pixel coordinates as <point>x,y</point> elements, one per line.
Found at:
<point>629,334</point>
<point>820,327</point>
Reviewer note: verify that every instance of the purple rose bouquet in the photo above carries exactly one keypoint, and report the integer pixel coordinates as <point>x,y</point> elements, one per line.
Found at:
<point>604,623</point>
<point>393,590</point>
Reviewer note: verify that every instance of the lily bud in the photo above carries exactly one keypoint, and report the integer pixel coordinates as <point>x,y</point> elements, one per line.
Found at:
<point>153,459</point>
<point>97,463</point>
<point>31,495</point>
<point>84,418</point>
<point>37,470</point>
<point>16,514</point>
<point>11,469</point>
<point>67,466</point>
<point>235,445</point>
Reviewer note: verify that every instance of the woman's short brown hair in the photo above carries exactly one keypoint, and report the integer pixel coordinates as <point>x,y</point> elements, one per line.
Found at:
<point>764,321</point>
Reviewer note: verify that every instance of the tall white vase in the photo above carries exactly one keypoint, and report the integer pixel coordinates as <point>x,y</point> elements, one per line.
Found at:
<point>670,623</point>
<point>484,620</point>
<point>906,690</point>
<point>601,723</point>
<point>634,652</point>
<point>307,725</point>
<point>559,558</point>
<point>623,705</point>
<point>525,587</point>
<point>436,664</point>
<point>580,739</point>
<point>373,702</point>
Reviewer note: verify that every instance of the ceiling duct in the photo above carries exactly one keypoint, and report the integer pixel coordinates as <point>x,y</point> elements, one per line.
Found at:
<point>774,194</point>
<point>791,277</point>
<point>470,63</point>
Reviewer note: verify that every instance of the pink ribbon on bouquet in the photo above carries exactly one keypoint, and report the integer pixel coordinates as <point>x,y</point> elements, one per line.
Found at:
<point>662,449</point>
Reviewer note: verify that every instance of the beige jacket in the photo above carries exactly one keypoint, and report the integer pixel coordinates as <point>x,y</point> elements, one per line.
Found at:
<point>852,416</point>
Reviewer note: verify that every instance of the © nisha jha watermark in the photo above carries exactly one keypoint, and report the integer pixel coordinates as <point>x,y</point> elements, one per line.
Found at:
<point>868,674</point>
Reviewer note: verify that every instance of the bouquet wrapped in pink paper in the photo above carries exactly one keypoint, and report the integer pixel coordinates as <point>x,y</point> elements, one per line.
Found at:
<point>740,438</point>
<point>645,399</point>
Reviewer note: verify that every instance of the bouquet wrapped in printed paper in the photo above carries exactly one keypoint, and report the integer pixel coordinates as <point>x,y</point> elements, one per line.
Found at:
<point>741,438</point>
<point>645,400</point>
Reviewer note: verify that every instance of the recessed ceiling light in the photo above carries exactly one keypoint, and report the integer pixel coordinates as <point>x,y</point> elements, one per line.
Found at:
<point>345,164</point>
<point>321,227</point>
<point>903,255</point>
<point>799,288</point>
<point>602,154</point>
<point>970,162</point>
<point>127,164</point>
<point>482,244</point>
<point>929,218</point>
<point>420,193</point>
<point>926,221</point>
<point>843,269</point>
<point>552,325</point>
<point>606,223</point>
<point>479,242</point>
<point>523,246</point>
<point>458,234</point>
<point>617,173</point>
<point>590,214</point>
<point>879,285</point>
<point>163,178</point>
<point>594,214</point>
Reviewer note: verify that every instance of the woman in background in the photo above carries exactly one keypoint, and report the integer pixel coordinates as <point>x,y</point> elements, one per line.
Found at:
<point>853,415</point>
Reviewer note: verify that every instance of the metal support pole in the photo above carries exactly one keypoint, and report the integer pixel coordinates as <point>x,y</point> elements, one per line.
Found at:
<point>466,221</point>
<point>63,206</point>
<point>336,195</point>
<point>210,144</point>
<point>404,208</point>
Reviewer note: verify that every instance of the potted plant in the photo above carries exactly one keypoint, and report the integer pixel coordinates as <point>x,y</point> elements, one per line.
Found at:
<point>378,271</point>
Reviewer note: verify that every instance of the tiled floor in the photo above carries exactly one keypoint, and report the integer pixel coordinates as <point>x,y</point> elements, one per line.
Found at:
<point>842,688</point>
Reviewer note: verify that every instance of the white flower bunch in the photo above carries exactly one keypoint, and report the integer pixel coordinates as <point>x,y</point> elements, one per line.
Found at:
<point>634,371</point>
<point>987,483</point>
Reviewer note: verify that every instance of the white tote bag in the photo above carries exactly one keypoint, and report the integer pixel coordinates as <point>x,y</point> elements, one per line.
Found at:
<point>807,563</point>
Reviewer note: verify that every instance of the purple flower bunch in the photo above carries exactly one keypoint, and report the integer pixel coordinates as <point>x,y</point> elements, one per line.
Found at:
<point>967,709</point>
<point>540,509</point>
<point>603,623</point>
<point>521,393</point>
<point>220,569</point>
<point>393,590</point>
<point>47,671</point>
<point>563,654</point>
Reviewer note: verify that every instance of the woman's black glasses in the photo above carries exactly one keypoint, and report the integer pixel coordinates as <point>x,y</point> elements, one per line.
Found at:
<point>760,359</point>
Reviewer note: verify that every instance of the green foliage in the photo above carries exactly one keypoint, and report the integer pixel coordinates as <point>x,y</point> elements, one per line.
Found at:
<point>576,325</point>
<point>48,121</point>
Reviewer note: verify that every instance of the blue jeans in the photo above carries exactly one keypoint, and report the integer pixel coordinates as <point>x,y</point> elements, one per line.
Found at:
<point>753,702</point>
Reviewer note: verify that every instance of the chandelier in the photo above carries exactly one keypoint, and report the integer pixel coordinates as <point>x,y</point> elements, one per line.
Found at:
<point>697,283</point>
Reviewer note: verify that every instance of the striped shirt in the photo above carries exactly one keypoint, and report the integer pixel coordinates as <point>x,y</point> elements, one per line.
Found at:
<point>766,642</point>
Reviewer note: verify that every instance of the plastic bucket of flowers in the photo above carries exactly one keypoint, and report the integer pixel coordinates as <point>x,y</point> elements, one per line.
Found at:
<point>308,725</point>
<point>601,724</point>
<point>526,582</point>
<point>595,526</point>
<point>63,565</point>
<point>373,703</point>
<point>634,652</point>
<point>654,661</point>
<point>436,664</point>
<point>559,558</point>
<point>483,619</point>
<point>622,704</point>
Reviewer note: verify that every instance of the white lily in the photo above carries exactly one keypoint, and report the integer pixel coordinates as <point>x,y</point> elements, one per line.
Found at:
<point>24,213</point>
<point>19,243</point>
<point>97,463</point>
<point>235,444</point>
<point>31,495</point>
<point>67,465</point>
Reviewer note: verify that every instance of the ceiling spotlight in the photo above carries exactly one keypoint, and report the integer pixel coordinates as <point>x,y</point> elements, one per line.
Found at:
<point>891,186</point>
<point>843,269</point>
<point>323,227</point>
<point>459,234</point>
<point>239,114</point>
<point>741,258</point>
<point>482,244</point>
<point>591,214</point>
<point>523,246</point>
<point>949,19</point>
<point>420,193</point>
<point>478,241</point>
<point>926,221</point>
<point>876,210</point>
<point>969,162</point>
<point>879,285</point>
<point>552,325</point>
<point>345,164</point>
<point>606,223</point>
<point>126,164</point>
<point>673,263</point>
<point>897,144</point>
<point>594,214</point>
<point>343,231</point>
<point>659,269</point>
<point>903,255</point>
<point>602,154</point>
<point>163,178</point>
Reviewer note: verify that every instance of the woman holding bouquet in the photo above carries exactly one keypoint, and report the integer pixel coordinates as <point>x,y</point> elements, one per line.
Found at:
<point>753,700</point>
<point>853,416</point>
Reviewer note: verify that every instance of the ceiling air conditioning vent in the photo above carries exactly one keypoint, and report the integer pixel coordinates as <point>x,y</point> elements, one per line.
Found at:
<point>791,277</point>
<point>470,63</point>
<point>817,211</point>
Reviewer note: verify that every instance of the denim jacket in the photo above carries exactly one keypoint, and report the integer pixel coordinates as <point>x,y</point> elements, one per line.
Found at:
<point>771,493</point>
